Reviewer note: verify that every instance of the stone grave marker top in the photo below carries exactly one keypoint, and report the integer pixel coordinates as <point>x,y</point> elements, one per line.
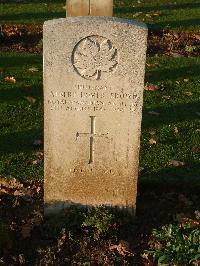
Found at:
<point>93,93</point>
<point>89,8</point>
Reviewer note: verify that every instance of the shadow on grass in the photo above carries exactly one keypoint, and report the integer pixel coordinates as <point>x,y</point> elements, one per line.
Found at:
<point>174,24</point>
<point>170,114</point>
<point>145,9</point>
<point>181,179</point>
<point>163,74</point>
<point>21,92</point>
<point>19,60</point>
<point>37,16</point>
<point>17,142</point>
<point>31,1</point>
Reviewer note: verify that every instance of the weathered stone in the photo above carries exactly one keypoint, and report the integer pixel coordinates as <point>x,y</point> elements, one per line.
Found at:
<point>89,8</point>
<point>93,93</point>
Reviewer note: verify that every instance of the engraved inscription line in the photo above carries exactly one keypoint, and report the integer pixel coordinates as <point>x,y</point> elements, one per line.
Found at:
<point>92,136</point>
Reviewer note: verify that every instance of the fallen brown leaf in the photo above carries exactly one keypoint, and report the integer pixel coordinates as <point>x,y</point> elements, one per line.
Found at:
<point>197,36</point>
<point>3,191</point>
<point>176,130</point>
<point>38,154</point>
<point>33,69</point>
<point>166,97</point>
<point>198,130</point>
<point>141,169</point>
<point>152,132</point>
<point>21,259</point>
<point>30,99</point>
<point>152,141</point>
<point>157,14</point>
<point>176,163</point>
<point>196,149</point>
<point>122,248</point>
<point>36,162</point>
<point>186,81</point>
<point>11,186</point>
<point>10,79</point>
<point>188,93</point>
<point>137,14</point>
<point>155,65</point>
<point>176,55</point>
<point>151,87</point>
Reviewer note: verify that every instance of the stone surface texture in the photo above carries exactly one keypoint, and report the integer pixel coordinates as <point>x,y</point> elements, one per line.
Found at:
<point>89,8</point>
<point>93,95</point>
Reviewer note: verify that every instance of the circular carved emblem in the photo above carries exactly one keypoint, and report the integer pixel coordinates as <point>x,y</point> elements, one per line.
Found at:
<point>94,57</point>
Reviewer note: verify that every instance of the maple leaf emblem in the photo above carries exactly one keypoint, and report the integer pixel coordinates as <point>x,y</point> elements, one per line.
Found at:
<point>94,56</point>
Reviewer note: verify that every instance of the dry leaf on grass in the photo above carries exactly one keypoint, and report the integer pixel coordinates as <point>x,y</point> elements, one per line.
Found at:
<point>36,162</point>
<point>152,15</point>
<point>186,81</point>
<point>176,163</point>
<point>137,14</point>
<point>188,93</point>
<point>151,87</point>
<point>30,99</point>
<point>11,186</point>
<point>122,249</point>
<point>196,149</point>
<point>152,142</point>
<point>176,55</point>
<point>176,130</point>
<point>198,130</point>
<point>38,154</point>
<point>141,169</point>
<point>152,132</point>
<point>155,65</point>
<point>197,36</point>
<point>10,79</point>
<point>166,97</point>
<point>33,69</point>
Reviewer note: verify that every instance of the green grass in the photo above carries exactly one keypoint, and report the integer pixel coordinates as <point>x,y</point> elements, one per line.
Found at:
<point>22,122</point>
<point>179,14</point>
<point>179,111</point>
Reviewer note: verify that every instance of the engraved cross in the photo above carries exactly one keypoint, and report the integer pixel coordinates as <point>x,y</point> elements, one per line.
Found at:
<point>92,135</point>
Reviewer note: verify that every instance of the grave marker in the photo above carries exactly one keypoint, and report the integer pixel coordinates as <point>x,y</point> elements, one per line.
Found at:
<point>93,93</point>
<point>89,8</point>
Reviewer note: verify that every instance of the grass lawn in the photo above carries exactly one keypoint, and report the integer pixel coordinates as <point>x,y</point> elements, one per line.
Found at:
<point>158,14</point>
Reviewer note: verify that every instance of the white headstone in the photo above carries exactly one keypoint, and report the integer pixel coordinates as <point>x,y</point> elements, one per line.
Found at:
<point>93,94</point>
